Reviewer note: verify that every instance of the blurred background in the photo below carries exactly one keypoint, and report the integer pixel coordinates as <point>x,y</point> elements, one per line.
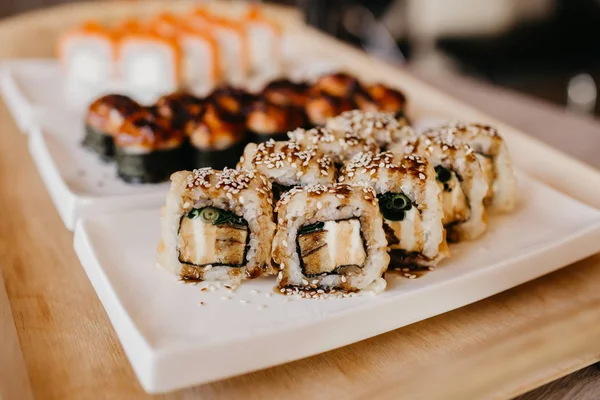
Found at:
<point>544,48</point>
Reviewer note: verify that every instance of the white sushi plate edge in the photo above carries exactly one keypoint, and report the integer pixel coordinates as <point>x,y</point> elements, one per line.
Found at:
<point>176,335</point>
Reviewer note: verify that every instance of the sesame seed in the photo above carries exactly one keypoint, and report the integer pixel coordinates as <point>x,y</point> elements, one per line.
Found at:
<point>254,291</point>
<point>262,307</point>
<point>244,301</point>
<point>269,294</point>
<point>225,298</point>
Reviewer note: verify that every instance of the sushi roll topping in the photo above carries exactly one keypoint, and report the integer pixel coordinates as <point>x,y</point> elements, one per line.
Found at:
<point>146,130</point>
<point>291,153</point>
<point>371,163</point>
<point>387,99</point>
<point>286,93</point>
<point>108,113</point>
<point>384,127</point>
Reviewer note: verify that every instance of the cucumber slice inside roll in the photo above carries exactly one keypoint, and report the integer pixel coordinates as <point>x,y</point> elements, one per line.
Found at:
<point>393,206</point>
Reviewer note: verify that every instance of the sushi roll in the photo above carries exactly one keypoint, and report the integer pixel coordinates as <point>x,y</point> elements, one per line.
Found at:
<point>339,84</point>
<point>230,36</point>
<point>322,106</point>
<point>217,226</point>
<point>492,153</point>
<point>340,146</point>
<point>330,238</point>
<point>147,149</point>
<point>384,127</point>
<point>235,57</point>
<point>201,57</point>
<point>284,92</point>
<point>462,184</point>
<point>104,119</point>
<point>267,121</point>
<point>410,203</point>
<point>149,62</point>
<point>87,54</point>
<point>287,164</point>
<point>232,100</point>
<point>387,99</point>
<point>216,137</point>
<point>178,108</point>
<point>264,37</point>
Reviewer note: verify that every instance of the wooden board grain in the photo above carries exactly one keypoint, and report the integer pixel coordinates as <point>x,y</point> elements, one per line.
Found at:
<point>71,351</point>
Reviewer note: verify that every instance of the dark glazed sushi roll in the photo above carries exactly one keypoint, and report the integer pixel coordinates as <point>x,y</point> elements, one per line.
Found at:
<point>339,84</point>
<point>284,92</point>
<point>387,99</point>
<point>147,150</point>
<point>217,138</point>
<point>232,100</point>
<point>104,118</point>
<point>322,106</point>
<point>178,108</point>
<point>267,121</point>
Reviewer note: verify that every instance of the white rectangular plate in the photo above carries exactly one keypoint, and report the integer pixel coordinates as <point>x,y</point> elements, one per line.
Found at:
<point>79,183</point>
<point>175,335</point>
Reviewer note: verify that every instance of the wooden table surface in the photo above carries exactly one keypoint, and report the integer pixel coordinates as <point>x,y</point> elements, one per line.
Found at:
<point>496,348</point>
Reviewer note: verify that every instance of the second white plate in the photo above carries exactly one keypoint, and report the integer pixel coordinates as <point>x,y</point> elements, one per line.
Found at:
<point>176,335</point>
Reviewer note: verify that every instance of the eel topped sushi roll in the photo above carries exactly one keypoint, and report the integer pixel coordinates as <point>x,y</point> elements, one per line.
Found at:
<point>340,146</point>
<point>321,106</point>
<point>267,121</point>
<point>385,127</point>
<point>216,137</point>
<point>410,203</point>
<point>231,99</point>
<point>330,238</point>
<point>284,92</point>
<point>217,226</point>
<point>147,149</point>
<point>492,153</point>
<point>461,180</point>
<point>178,108</point>
<point>287,164</point>
<point>104,119</point>
<point>339,84</point>
<point>387,99</point>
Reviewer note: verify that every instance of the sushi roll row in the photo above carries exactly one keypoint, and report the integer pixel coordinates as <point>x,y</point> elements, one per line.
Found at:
<point>168,51</point>
<point>212,131</point>
<point>337,206</point>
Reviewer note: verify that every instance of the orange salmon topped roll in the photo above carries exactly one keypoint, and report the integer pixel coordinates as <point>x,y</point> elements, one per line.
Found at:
<point>231,38</point>
<point>87,53</point>
<point>201,56</point>
<point>149,62</point>
<point>264,41</point>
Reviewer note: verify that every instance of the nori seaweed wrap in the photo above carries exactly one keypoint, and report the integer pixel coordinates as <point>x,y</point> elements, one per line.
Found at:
<point>216,138</point>
<point>148,150</point>
<point>103,120</point>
